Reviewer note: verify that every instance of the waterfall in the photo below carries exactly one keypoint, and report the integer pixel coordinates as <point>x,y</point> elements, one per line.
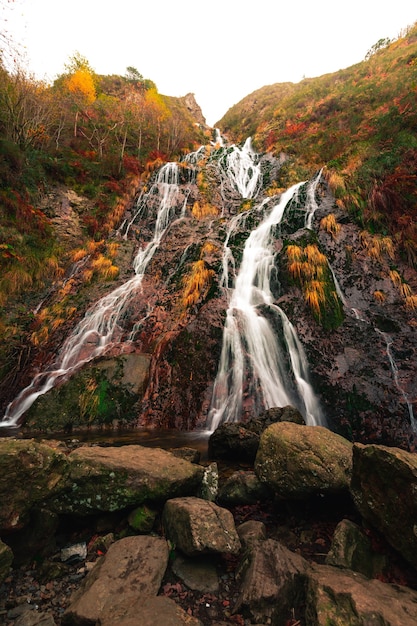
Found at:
<point>102,324</point>
<point>250,347</point>
<point>243,170</point>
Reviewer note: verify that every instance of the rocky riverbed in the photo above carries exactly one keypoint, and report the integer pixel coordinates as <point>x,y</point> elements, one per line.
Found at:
<point>212,542</point>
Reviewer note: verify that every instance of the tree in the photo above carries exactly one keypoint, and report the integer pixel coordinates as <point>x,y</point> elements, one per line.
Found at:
<point>81,84</point>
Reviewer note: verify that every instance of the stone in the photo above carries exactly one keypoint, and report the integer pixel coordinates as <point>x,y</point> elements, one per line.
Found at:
<point>132,567</point>
<point>250,532</point>
<point>197,526</point>
<point>336,596</point>
<point>243,487</point>
<point>35,618</point>
<point>188,454</point>
<point>158,611</point>
<point>6,560</point>
<point>300,461</point>
<point>114,478</point>
<point>273,579</point>
<point>30,472</point>
<point>384,490</point>
<point>198,573</point>
<point>210,483</point>
<point>351,549</point>
<point>233,441</point>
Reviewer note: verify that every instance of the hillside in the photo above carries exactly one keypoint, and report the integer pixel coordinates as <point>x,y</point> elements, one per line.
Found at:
<point>360,124</point>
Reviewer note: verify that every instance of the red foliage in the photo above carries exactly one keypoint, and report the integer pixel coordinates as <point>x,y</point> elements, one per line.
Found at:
<point>131,164</point>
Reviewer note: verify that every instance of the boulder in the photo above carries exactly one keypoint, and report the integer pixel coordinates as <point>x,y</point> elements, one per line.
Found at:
<point>198,573</point>
<point>198,526</point>
<point>240,440</point>
<point>280,587</point>
<point>250,532</point>
<point>336,596</point>
<point>30,472</point>
<point>133,567</point>
<point>148,611</point>
<point>233,441</point>
<point>6,560</point>
<point>274,580</point>
<point>113,478</point>
<point>243,487</point>
<point>300,461</point>
<point>352,549</point>
<point>384,489</point>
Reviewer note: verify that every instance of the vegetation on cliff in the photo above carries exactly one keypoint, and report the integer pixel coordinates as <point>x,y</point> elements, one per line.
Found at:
<point>98,136</point>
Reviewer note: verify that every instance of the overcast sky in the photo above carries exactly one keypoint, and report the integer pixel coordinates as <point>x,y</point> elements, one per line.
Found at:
<point>220,50</point>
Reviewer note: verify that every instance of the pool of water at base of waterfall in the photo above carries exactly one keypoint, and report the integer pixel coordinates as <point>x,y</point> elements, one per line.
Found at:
<point>153,438</point>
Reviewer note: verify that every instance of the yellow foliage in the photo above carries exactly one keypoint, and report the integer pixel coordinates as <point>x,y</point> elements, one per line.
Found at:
<point>196,283</point>
<point>294,253</point>
<point>79,254</point>
<point>112,249</point>
<point>40,336</point>
<point>376,246</point>
<point>335,180</point>
<point>81,84</point>
<point>411,302</point>
<point>380,296</point>
<point>208,248</point>
<point>104,267</point>
<point>330,225</point>
<point>395,278</point>
<point>200,211</point>
<point>314,256</point>
<point>406,290</point>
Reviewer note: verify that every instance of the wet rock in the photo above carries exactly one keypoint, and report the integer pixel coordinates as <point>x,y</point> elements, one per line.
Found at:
<point>298,461</point>
<point>384,489</point>
<point>351,549</point>
<point>197,526</point>
<point>110,479</point>
<point>233,441</point>
<point>132,567</point>
<point>6,559</point>
<point>188,454</point>
<point>244,487</point>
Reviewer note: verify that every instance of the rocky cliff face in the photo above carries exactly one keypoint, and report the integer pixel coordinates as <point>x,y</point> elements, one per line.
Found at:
<point>361,353</point>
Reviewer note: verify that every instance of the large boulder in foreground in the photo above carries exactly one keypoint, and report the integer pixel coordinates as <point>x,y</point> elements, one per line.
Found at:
<point>133,567</point>
<point>113,478</point>
<point>336,596</point>
<point>384,489</point>
<point>299,461</point>
<point>198,526</point>
<point>280,586</point>
<point>29,473</point>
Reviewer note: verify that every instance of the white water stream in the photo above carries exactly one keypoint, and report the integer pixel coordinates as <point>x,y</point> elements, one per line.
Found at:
<point>101,325</point>
<point>250,347</point>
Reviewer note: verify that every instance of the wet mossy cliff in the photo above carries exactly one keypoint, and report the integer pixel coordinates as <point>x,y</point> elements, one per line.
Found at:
<point>347,292</point>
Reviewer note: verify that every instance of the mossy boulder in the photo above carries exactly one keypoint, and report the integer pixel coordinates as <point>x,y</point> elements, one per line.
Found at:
<point>30,472</point>
<point>300,461</point>
<point>115,478</point>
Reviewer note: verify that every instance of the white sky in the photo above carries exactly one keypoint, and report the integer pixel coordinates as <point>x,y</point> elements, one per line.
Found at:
<point>220,50</point>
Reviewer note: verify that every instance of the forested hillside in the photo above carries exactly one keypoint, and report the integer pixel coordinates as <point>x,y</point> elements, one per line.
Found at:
<point>96,135</point>
<point>360,123</point>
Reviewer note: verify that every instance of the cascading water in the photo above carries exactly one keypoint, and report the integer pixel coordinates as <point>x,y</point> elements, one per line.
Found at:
<point>102,324</point>
<point>250,348</point>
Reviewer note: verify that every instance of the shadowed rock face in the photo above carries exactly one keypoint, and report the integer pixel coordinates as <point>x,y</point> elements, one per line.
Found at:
<point>362,367</point>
